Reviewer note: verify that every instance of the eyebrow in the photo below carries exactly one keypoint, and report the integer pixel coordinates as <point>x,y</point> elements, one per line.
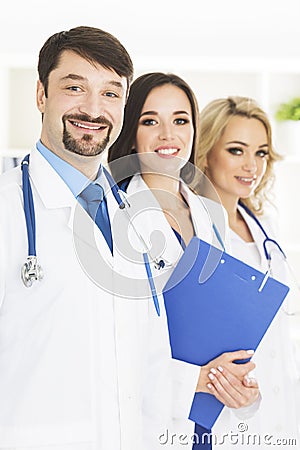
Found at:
<point>75,77</point>
<point>155,112</point>
<point>243,143</point>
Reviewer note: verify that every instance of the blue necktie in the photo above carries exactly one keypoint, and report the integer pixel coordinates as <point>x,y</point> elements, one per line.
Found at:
<point>94,202</point>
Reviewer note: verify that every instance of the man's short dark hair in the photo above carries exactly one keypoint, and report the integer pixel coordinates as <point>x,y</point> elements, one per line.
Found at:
<point>93,44</point>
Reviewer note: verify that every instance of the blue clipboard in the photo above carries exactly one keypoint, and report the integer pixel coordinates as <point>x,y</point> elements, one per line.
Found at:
<point>210,290</point>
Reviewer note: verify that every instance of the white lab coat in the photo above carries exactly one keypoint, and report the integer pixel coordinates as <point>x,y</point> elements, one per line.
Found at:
<point>154,227</point>
<point>84,364</point>
<point>278,415</point>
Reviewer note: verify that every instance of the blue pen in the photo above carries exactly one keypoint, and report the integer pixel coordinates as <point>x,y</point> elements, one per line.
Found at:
<point>151,283</point>
<point>218,236</point>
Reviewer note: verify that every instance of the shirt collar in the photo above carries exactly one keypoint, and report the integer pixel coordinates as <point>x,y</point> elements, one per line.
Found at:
<point>73,178</point>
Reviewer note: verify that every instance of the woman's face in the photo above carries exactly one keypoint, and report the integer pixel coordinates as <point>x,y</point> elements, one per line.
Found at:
<point>165,130</point>
<point>238,161</point>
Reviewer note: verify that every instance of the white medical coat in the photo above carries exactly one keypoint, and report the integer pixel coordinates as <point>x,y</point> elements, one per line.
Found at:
<point>153,226</point>
<point>82,367</point>
<point>277,420</point>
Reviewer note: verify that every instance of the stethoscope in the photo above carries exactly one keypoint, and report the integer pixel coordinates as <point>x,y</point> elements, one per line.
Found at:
<point>31,270</point>
<point>267,241</point>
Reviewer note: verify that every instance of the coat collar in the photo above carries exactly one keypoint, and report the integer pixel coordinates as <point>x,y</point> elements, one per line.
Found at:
<point>150,222</point>
<point>51,188</point>
<point>256,233</point>
<point>207,214</point>
<point>153,220</point>
<point>54,194</point>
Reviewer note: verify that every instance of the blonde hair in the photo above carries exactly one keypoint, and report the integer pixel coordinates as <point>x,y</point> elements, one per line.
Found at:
<point>213,120</point>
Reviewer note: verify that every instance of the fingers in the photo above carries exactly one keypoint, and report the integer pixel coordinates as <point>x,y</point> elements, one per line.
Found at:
<point>250,382</point>
<point>241,370</point>
<point>223,390</point>
<point>231,357</point>
<point>227,360</point>
<point>230,390</point>
<point>239,354</point>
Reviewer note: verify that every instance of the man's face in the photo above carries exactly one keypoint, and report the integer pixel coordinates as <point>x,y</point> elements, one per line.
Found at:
<point>83,112</point>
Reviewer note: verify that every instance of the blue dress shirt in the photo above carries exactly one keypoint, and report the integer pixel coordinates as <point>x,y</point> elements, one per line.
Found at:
<point>73,178</point>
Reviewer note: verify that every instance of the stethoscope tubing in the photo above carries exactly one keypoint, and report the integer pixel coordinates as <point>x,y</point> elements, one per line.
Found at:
<point>267,238</point>
<point>28,207</point>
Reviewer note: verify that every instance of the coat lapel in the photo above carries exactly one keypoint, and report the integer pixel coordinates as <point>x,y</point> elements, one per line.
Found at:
<point>51,188</point>
<point>257,235</point>
<point>151,223</point>
<point>201,215</point>
<point>55,194</point>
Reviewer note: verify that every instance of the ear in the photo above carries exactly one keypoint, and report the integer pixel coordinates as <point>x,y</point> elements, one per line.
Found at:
<point>40,96</point>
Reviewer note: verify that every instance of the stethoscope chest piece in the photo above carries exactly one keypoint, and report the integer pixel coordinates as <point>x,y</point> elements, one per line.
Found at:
<point>31,271</point>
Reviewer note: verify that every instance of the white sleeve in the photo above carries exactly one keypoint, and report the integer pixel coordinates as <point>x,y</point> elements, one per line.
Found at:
<point>247,411</point>
<point>184,378</point>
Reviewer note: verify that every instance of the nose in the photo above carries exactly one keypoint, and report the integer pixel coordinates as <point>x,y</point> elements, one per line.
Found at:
<point>166,132</point>
<point>92,105</point>
<point>249,163</point>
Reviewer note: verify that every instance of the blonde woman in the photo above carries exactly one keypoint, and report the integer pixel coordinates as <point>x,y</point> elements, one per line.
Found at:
<point>236,155</point>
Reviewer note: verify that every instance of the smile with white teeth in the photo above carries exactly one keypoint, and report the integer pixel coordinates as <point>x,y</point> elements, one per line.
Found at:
<point>87,127</point>
<point>246,180</point>
<point>167,151</point>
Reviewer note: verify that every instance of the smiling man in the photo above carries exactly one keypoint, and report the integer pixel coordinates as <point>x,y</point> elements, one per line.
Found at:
<point>61,383</point>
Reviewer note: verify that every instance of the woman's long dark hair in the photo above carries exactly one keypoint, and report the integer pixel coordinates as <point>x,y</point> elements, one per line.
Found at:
<point>125,143</point>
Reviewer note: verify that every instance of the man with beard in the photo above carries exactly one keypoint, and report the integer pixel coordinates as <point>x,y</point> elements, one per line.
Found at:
<point>73,343</point>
